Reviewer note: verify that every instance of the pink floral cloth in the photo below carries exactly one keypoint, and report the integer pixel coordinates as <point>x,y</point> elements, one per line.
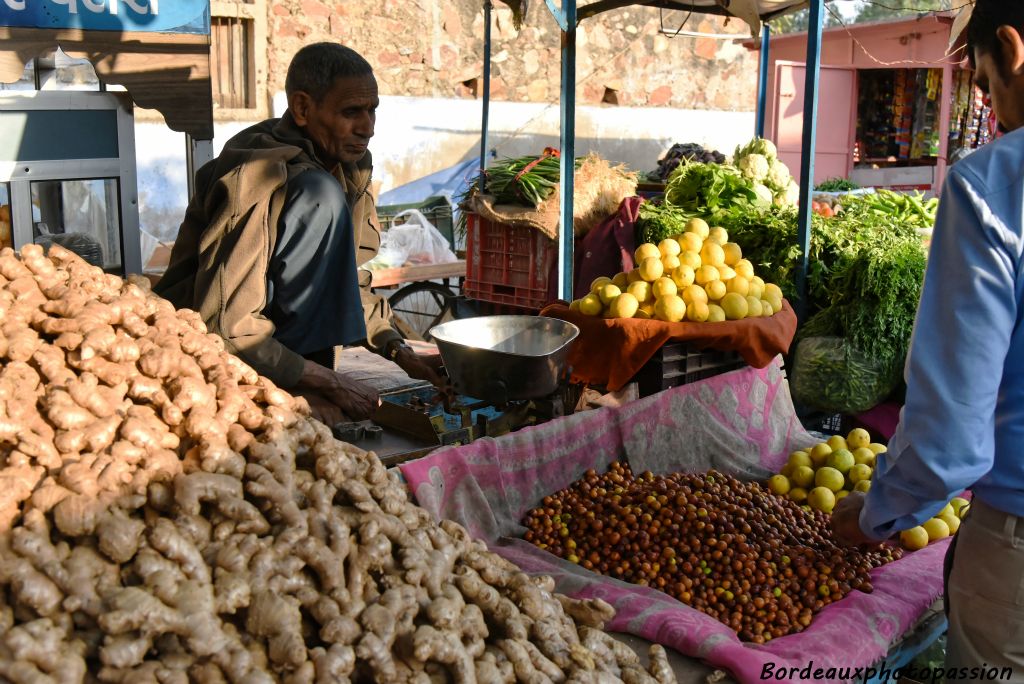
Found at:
<point>741,422</point>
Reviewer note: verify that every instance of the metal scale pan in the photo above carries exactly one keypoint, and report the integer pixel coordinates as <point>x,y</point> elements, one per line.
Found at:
<point>499,359</point>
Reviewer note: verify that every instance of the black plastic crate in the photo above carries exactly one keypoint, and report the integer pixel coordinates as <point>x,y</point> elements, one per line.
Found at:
<point>678,363</point>
<point>436,210</point>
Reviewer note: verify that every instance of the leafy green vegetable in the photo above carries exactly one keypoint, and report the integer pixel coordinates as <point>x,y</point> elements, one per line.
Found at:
<point>711,190</point>
<point>837,185</point>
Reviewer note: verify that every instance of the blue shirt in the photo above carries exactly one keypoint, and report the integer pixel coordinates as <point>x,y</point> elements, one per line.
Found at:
<point>962,425</point>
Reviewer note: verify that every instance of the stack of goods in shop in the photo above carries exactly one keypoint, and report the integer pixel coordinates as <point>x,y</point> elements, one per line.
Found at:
<point>682,153</point>
<point>166,514</point>
<point>898,111</point>
<point>698,276</point>
<point>865,272</point>
<point>818,477</point>
<point>758,563</point>
<point>971,117</point>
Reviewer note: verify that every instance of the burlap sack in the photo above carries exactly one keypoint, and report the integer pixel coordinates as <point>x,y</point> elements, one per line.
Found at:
<point>543,218</point>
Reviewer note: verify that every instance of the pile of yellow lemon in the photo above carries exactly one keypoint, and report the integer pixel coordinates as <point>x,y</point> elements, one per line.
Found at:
<point>697,276</point>
<point>819,476</point>
<point>944,524</point>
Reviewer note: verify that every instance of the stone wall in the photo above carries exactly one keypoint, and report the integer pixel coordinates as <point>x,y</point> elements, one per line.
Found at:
<point>433,48</point>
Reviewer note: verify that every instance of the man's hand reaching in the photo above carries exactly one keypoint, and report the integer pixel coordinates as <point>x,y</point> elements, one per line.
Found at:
<point>333,397</point>
<point>424,367</point>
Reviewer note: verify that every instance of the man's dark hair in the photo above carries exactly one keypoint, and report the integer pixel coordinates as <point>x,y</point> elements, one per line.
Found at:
<point>315,67</point>
<point>986,19</point>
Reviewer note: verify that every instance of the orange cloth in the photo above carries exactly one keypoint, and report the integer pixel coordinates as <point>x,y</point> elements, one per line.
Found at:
<point>609,352</point>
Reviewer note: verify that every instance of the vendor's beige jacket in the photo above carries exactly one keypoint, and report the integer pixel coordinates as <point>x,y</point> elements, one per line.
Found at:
<point>219,262</point>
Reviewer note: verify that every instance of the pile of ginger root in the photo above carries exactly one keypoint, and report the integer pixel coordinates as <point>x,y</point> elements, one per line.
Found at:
<point>168,515</point>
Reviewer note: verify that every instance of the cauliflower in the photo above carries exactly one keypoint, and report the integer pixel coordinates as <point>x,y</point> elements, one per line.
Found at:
<point>764,195</point>
<point>791,195</point>
<point>760,146</point>
<point>754,167</point>
<point>778,176</point>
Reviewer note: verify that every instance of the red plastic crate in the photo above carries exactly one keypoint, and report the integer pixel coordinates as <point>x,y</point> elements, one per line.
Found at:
<point>508,265</point>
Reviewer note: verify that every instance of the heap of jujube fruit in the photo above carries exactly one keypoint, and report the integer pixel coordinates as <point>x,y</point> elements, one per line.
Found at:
<point>756,562</point>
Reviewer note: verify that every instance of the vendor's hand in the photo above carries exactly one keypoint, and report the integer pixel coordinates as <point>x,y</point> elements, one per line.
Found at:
<point>323,410</point>
<point>846,521</point>
<point>424,367</point>
<point>357,400</point>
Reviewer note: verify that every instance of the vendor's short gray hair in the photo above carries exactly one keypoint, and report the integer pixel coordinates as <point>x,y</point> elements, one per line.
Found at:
<point>315,67</point>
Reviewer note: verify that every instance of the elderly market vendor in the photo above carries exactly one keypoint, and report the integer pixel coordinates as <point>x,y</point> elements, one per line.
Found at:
<point>270,246</point>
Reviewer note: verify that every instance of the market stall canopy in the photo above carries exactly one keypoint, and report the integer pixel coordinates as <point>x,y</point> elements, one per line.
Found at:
<point>160,53</point>
<point>753,12</point>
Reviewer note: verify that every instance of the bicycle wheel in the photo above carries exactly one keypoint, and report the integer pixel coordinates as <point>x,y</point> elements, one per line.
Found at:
<point>421,306</point>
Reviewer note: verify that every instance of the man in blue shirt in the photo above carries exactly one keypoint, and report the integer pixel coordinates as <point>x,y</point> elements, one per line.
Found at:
<point>962,425</point>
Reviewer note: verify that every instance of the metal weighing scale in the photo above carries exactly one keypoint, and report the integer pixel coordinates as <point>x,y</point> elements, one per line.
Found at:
<point>508,372</point>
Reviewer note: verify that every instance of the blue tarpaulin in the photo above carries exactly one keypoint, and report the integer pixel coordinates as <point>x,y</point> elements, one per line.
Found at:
<point>449,183</point>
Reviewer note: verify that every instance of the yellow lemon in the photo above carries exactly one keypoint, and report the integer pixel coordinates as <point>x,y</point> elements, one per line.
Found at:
<point>829,478</point>
<point>651,269</point>
<point>864,456</point>
<point>574,305</point>
<point>733,253</point>
<point>683,276</point>
<point>691,258</point>
<point>858,437</point>
<point>694,293</point>
<point>623,306</point>
<point>705,274</point>
<point>862,486</point>
<point>779,484</point>
<point>698,226</point>
<point>719,236</point>
<point>878,448</point>
<point>744,268</point>
<point>711,253</point>
<point>958,503</point>
<point>691,242</point>
<point>841,494</point>
<point>715,289</point>
<point>757,280</point>
<point>591,305</point>
<point>646,311</point>
<point>798,495</point>
<point>620,280</point>
<point>670,308</point>
<point>697,312</point>
<point>716,314</point>
<point>753,307</point>
<point>634,276</point>
<point>820,453</point>
<point>641,289</point>
<point>952,522</point>
<point>773,290</point>
<point>838,442</point>
<point>840,459</point>
<point>646,251</point>
<point>822,499</point>
<point>755,290</point>
<point>776,302</point>
<point>936,529</point>
<point>669,247</point>
<point>800,458</point>
<point>860,471</point>
<point>663,287</point>
<point>766,308</point>
<point>802,476</point>
<point>725,272</point>
<point>735,306</point>
<point>670,263</point>
<point>608,292</point>
<point>599,283</point>
<point>914,539</point>
<point>739,285</point>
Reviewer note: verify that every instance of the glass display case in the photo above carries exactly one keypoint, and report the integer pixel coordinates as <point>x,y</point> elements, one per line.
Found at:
<point>67,173</point>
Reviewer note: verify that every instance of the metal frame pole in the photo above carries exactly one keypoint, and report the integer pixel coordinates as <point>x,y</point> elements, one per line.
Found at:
<point>762,81</point>
<point>813,77</point>
<point>568,150</point>
<point>487,92</point>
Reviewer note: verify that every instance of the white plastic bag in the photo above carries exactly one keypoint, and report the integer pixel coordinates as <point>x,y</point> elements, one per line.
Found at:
<point>415,242</point>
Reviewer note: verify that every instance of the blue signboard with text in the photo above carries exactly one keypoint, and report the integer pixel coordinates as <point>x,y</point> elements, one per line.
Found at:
<point>151,16</point>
